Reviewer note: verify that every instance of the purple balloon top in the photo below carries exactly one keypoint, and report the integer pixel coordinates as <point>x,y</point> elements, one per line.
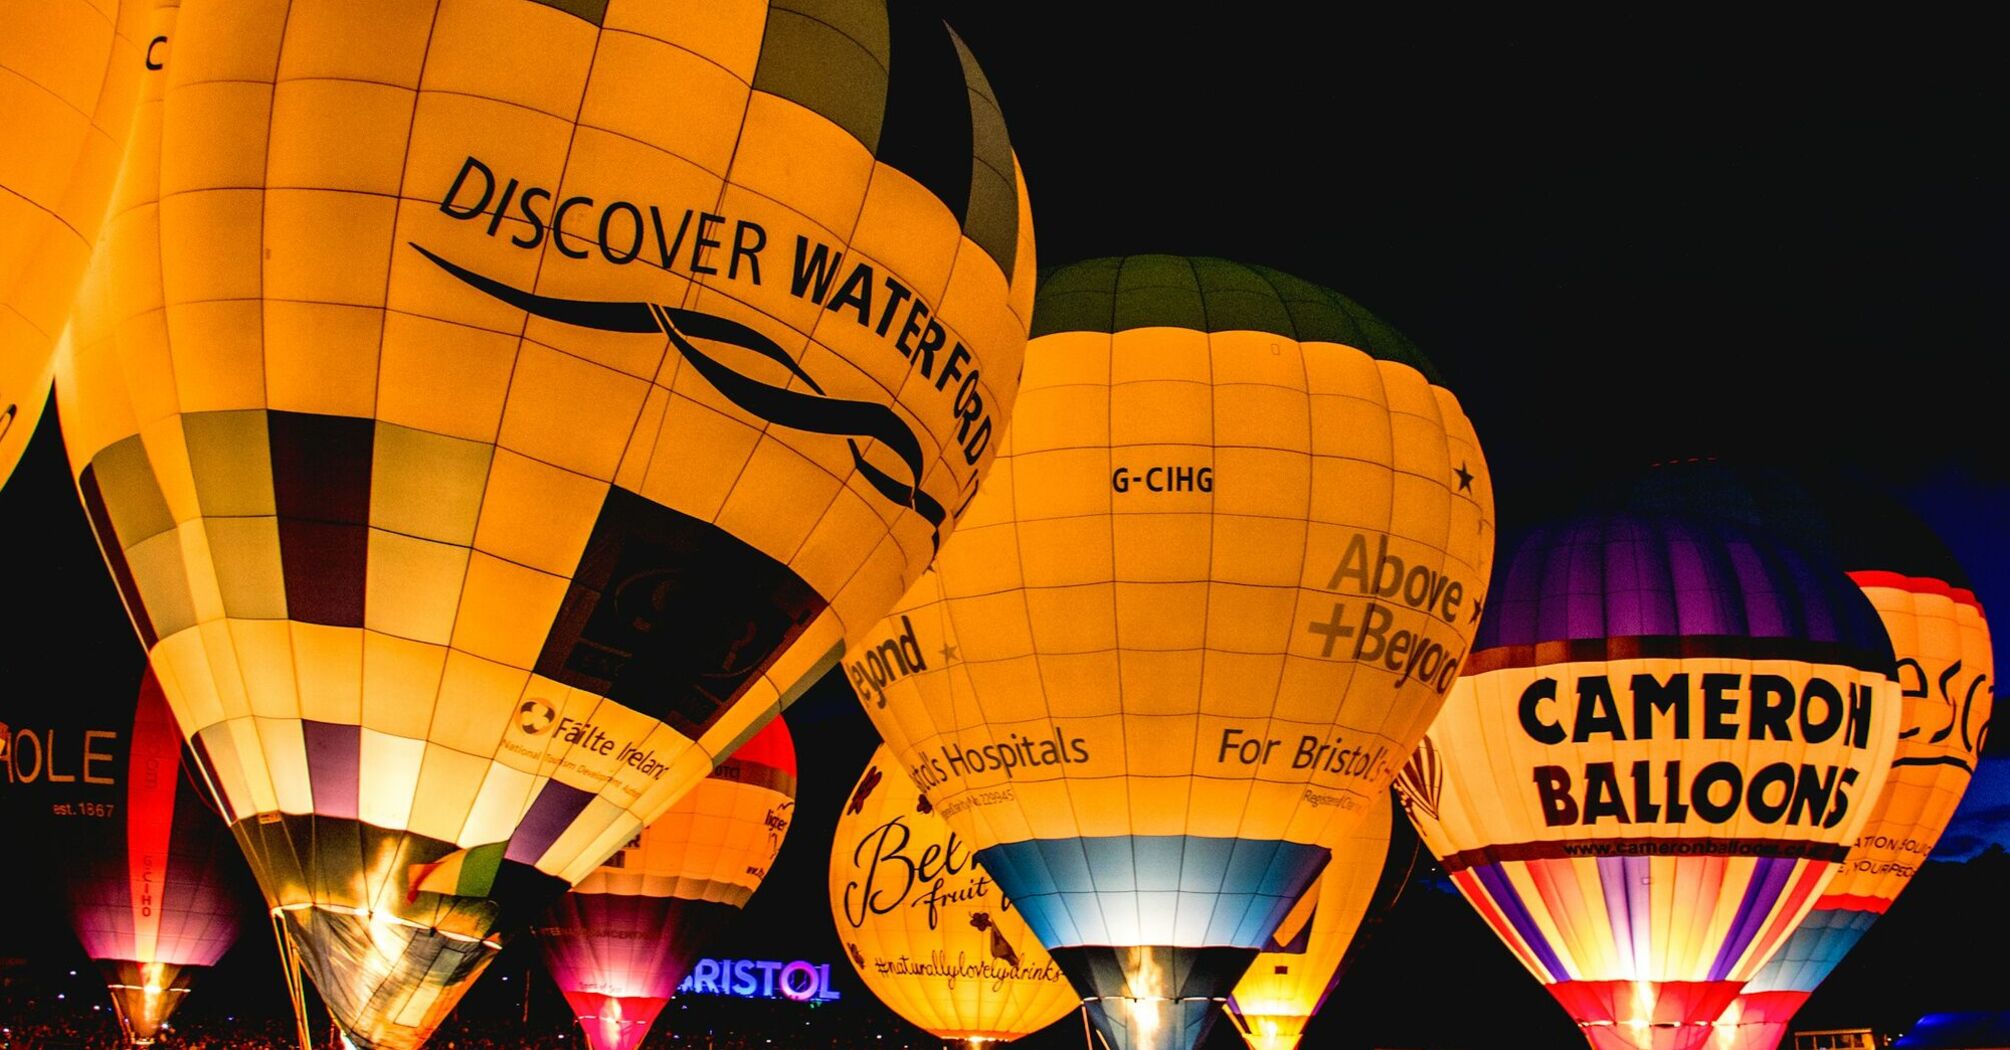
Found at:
<point>1611,585</point>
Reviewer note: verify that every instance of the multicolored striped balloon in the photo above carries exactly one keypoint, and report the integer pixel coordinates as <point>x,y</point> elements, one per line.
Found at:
<point>1946,677</point>
<point>1668,736</point>
<point>621,940</point>
<point>1219,581</point>
<point>494,410</point>
<point>157,891</point>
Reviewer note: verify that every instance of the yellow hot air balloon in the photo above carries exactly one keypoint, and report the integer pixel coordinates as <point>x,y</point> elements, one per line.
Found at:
<point>1215,588</point>
<point>927,929</point>
<point>1288,983</point>
<point>1668,734</point>
<point>70,71</point>
<point>492,410</point>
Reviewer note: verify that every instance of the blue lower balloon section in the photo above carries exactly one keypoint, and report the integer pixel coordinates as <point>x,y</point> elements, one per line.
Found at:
<point>1171,890</point>
<point>1812,951</point>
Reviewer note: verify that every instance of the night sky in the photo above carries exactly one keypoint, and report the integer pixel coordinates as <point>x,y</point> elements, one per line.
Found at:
<point>1621,239</point>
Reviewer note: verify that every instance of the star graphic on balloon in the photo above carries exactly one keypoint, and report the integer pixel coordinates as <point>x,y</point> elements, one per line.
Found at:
<point>948,654</point>
<point>1465,477</point>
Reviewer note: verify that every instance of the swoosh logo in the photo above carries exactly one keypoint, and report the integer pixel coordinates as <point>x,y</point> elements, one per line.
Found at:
<point>814,412</point>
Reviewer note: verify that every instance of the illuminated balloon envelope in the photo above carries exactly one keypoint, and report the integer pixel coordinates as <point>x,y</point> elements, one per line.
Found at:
<point>1668,735</point>
<point>926,927</point>
<point>493,411</point>
<point>1217,584</point>
<point>157,891</point>
<point>69,73</point>
<point>623,938</point>
<point>1300,966</point>
<point>1945,674</point>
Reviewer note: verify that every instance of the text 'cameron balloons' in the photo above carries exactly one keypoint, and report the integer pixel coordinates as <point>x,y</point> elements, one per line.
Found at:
<point>928,930</point>
<point>623,938</point>
<point>492,410</point>
<point>1223,572</point>
<point>1946,680</point>
<point>69,73</point>
<point>1668,735</point>
<point>1288,983</point>
<point>157,890</point>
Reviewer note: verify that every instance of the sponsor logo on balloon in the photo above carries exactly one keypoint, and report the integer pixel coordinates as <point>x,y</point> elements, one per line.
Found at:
<point>623,235</point>
<point>1019,752</point>
<point>1421,781</point>
<point>582,737</point>
<point>693,241</point>
<point>1912,678</point>
<point>1709,706</point>
<point>30,756</point>
<point>1001,948</point>
<point>535,716</point>
<point>812,412</point>
<point>886,663</point>
<point>863,791</point>
<point>950,970</point>
<point>1366,631</point>
<point>776,822</point>
<point>1733,705</point>
<point>1309,751</point>
<point>890,874</point>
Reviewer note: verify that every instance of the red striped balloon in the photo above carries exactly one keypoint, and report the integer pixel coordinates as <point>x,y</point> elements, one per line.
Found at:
<point>620,942</point>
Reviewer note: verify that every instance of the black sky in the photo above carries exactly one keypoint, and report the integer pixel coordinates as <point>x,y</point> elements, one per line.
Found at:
<point>1620,237</point>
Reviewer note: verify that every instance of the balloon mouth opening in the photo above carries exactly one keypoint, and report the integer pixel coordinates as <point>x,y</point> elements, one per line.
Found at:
<point>1146,1012</point>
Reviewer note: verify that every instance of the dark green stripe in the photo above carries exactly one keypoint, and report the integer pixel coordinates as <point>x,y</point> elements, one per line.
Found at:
<point>993,219</point>
<point>829,56</point>
<point>1211,295</point>
<point>590,11</point>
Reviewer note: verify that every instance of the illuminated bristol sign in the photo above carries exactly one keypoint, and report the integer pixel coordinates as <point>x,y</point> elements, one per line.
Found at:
<point>804,982</point>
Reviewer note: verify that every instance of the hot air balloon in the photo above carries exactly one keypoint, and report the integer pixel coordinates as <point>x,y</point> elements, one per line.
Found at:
<point>1946,679</point>
<point>493,411</point>
<point>1668,734</point>
<point>1300,966</point>
<point>926,927</point>
<point>623,938</point>
<point>1219,581</point>
<point>156,889</point>
<point>69,73</point>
